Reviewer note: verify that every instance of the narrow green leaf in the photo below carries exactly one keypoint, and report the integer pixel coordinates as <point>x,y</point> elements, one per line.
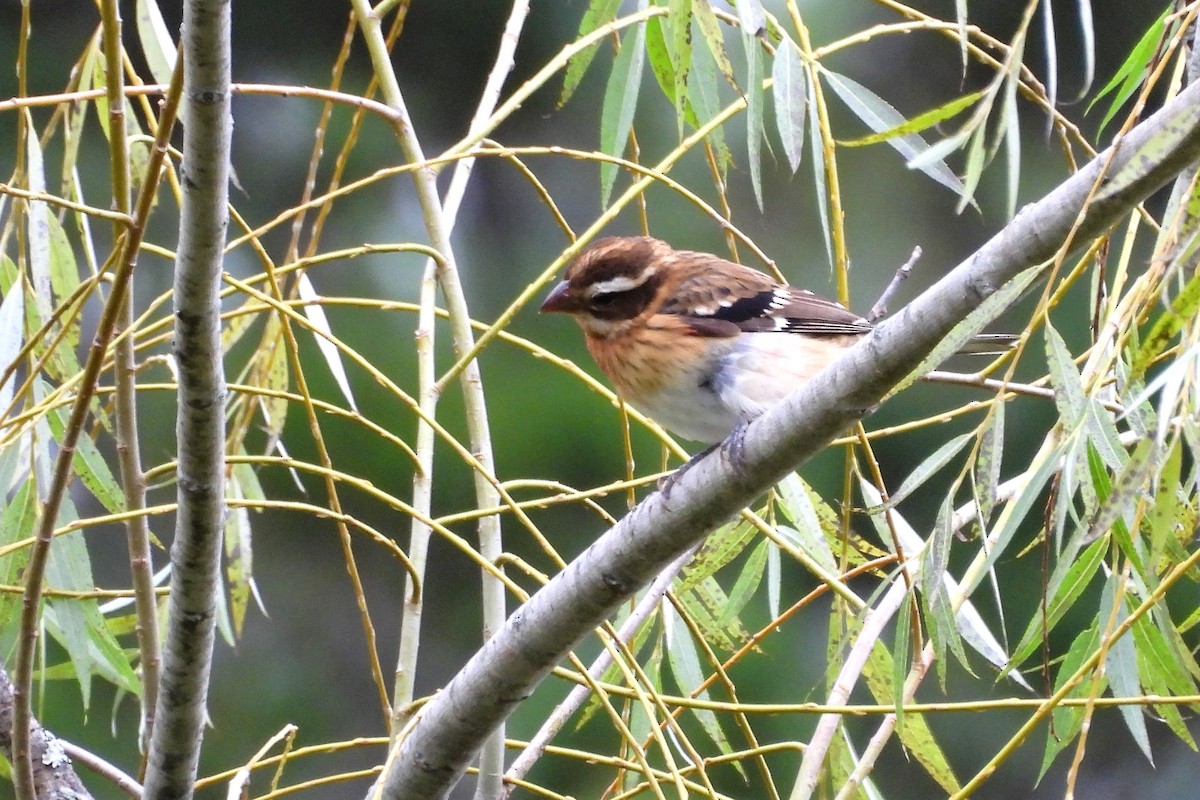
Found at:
<point>1087,33</point>
<point>223,621</point>
<point>754,112</point>
<point>1132,72</point>
<point>332,356</point>
<point>247,479</point>
<point>1164,519</point>
<point>901,655</point>
<point>599,12</point>
<point>1121,667</point>
<point>77,116</point>
<point>915,735</point>
<point>157,45</point>
<point>685,666</point>
<point>16,523</point>
<point>276,374</point>
<point>705,100</point>
<point>710,29</point>
<point>1168,324</point>
<point>940,150</point>
<point>1068,386</point>
<point>968,622</point>
<point>989,459</point>
<point>77,623</point>
<point>841,760</point>
<point>804,507</point>
<point>925,470</point>
<point>751,16</point>
<point>879,115</point>
<point>1067,584</point>
<point>239,556</point>
<point>91,466</point>
<point>1163,673</point>
<point>1120,503</point>
<point>1050,44</point>
<point>640,724</point>
<point>1102,433</point>
<point>620,102</point>
<point>1068,719</point>
<point>139,151</point>
<point>746,584</point>
<point>64,280</point>
<point>1011,123</point>
<point>940,617</point>
<point>719,549</point>
<point>790,93</point>
<point>38,230</point>
<point>920,122</point>
<point>973,170</point>
<point>65,623</point>
<point>820,189</point>
<point>99,80</point>
<point>1161,143</point>
<point>680,45</point>
<point>704,603</point>
<point>238,324</point>
<point>960,17</point>
<point>12,332</point>
<point>774,579</point>
<point>659,57</point>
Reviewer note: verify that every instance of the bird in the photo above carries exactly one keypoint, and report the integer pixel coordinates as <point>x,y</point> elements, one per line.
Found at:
<point>700,344</point>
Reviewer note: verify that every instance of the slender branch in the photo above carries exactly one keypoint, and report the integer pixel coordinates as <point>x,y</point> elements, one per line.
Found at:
<point>563,711</point>
<point>200,426</point>
<point>133,483</point>
<point>865,639</point>
<point>54,200</point>
<point>880,309</point>
<point>103,768</point>
<point>438,225</point>
<point>440,744</point>
<point>39,553</point>
<point>430,391</point>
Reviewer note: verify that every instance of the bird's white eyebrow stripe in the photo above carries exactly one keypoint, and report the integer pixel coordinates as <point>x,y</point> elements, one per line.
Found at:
<point>621,283</point>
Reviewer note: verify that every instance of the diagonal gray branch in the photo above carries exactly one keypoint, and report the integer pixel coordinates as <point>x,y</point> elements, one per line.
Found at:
<point>508,667</point>
<point>200,425</point>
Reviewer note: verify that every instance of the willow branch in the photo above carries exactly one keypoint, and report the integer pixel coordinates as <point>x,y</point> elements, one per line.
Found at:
<point>438,227</point>
<point>133,482</point>
<point>200,425</point>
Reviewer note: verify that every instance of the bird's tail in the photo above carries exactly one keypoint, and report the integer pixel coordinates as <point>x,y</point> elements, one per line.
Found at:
<point>989,344</point>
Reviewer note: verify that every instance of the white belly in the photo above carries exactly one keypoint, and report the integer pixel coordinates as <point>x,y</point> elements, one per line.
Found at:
<point>758,371</point>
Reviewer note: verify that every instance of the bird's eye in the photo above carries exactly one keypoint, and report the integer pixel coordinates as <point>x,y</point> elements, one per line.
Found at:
<point>604,299</point>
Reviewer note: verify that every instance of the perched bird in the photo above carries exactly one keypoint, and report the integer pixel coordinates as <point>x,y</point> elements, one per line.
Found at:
<point>700,344</point>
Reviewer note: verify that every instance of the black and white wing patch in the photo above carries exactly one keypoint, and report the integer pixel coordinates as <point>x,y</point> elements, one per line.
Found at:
<point>793,311</point>
<point>720,298</point>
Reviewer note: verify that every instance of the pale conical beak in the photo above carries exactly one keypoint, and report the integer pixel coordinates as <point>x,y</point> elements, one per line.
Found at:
<point>560,301</point>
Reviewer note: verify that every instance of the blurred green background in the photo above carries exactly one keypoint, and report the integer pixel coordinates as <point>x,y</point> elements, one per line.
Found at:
<point>303,663</point>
